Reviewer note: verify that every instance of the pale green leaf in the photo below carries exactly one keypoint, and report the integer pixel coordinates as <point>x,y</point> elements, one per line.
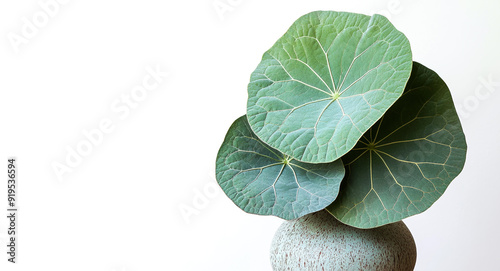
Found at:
<point>326,82</point>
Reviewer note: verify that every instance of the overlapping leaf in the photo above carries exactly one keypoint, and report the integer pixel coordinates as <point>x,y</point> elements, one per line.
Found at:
<point>261,180</point>
<point>326,82</point>
<point>404,163</point>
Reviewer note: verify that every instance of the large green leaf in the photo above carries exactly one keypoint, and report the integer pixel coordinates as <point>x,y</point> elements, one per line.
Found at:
<point>263,181</point>
<point>403,164</point>
<point>326,82</point>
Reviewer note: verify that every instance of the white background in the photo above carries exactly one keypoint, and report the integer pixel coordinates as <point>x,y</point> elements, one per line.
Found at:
<point>120,207</point>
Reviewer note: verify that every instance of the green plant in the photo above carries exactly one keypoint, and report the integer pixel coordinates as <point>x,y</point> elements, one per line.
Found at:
<point>340,118</point>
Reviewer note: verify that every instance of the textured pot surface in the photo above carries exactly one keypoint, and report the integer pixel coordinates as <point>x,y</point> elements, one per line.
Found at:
<point>318,241</point>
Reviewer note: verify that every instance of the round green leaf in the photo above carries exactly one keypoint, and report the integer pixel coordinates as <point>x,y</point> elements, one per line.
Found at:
<point>261,180</point>
<point>405,162</point>
<point>326,82</point>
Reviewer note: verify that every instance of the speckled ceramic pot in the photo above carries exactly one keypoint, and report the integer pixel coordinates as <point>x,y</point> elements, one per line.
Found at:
<point>320,242</point>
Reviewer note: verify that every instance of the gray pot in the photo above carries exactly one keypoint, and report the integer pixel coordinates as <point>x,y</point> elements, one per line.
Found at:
<point>318,241</point>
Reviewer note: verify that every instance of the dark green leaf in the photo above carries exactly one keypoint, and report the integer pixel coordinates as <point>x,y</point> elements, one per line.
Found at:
<point>263,181</point>
<point>405,162</point>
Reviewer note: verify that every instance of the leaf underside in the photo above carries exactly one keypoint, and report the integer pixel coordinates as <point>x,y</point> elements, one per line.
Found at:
<point>326,82</point>
<point>261,180</point>
<point>405,162</point>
